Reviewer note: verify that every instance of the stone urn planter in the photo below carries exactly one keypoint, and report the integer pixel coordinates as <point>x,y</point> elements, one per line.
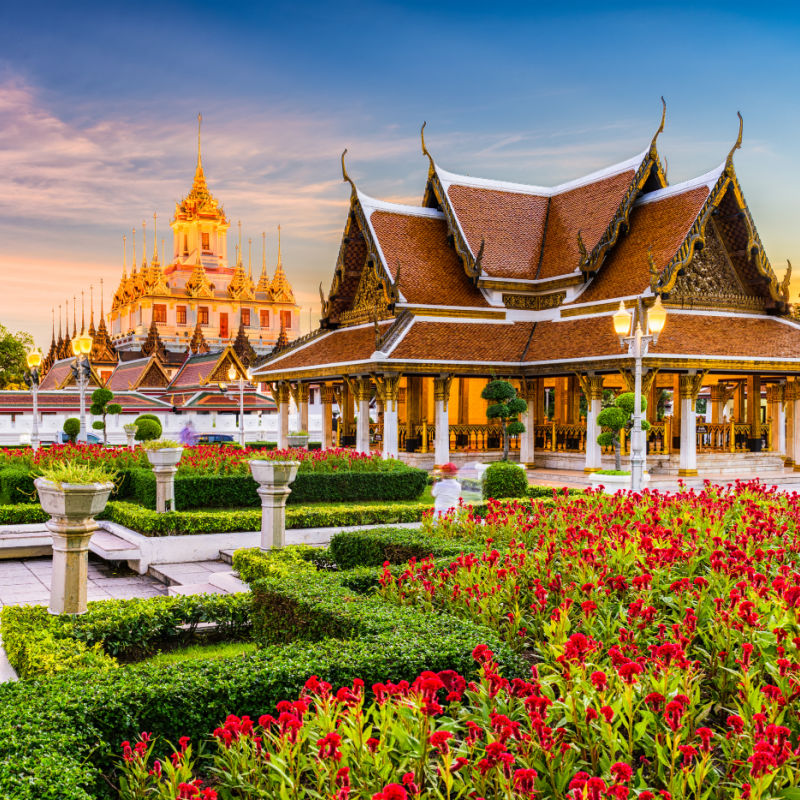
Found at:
<point>297,440</point>
<point>72,508</point>
<point>164,461</point>
<point>130,433</point>
<point>273,479</point>
<point>615,483</point>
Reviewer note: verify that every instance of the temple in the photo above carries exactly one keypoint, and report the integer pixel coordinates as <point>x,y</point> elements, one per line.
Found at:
<point>166,303</point>
<point>487,278</point>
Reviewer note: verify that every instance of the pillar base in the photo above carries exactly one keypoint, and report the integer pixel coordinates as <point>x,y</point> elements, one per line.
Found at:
<point>788,462</point>
<point>530,465</point>
<point>687,473</point>
<point>796,468</point>
<point>589,470</point>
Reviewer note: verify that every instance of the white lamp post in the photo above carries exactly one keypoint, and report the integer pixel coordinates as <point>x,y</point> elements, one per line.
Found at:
<point>629,329</point>
<point>81,347</point>
<point>34,360</point>
<point>241,383</point>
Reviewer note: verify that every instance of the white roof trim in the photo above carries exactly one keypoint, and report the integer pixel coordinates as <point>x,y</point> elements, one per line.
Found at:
<point>370,204</point>
<point>708,180</point>
<point>449,178</point>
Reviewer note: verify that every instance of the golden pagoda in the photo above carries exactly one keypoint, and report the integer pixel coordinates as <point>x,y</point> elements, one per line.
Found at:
<point>197,288</point>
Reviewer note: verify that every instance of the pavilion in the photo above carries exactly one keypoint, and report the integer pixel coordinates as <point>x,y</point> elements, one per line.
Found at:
<point>488,279</point>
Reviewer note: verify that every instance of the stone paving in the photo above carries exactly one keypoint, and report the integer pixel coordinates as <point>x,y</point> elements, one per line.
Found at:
<point>27,582</point>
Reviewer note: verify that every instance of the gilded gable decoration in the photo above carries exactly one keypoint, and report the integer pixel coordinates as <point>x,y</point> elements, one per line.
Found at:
<point>198,284</point>
<point>370,298</point>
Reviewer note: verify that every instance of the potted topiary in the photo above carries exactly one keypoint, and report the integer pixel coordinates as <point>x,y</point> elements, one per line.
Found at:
<point>273,479</point>
<point>298,438</point>
<point>72,494</point>
<point>164,456</point>
<point>130,429</point>
<point>72,427</point>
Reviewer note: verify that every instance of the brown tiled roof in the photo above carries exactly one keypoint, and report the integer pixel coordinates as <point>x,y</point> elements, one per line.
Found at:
<point>343,345</point>
<point>511,223</point>
<point>56,375</point>
<point>663,224</point>
<point>464,341</point>
<point>126,375</point>
<point>69,400</point>
<point>194,370</point>
<point>684,334</point>
<point>431,272</point>
<point>588,209</point>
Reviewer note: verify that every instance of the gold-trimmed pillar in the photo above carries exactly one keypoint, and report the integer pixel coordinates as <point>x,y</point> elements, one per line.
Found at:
<point>441,420</point>
<point>300,392</point>
<point>361,389</point>
<point>775,415</point>
<point>528,390</point>
<point>388,389</point>
<point>592,386</point>
<point>280,393</point>
<point>754,412</point>
<point>689,389</point>
<point>326,399</point>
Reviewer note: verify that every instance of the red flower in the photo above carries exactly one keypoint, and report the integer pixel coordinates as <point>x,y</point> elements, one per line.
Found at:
<point>622,772</point>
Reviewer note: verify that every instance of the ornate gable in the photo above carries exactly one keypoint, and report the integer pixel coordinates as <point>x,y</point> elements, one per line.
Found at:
<point>371,300</point>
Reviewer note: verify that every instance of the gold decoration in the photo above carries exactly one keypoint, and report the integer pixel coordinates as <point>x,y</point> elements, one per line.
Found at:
<point>536,302</point>
<point>387,387</point>
<point>591,386</point>
<point>198,284</point>
<point>441,387</point>
<point>786,281</point>
<point>371,298</point>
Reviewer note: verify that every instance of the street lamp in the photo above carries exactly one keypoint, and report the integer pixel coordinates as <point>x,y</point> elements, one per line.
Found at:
<point>34,360</point>
<point>629,329</point>
<point>241,383</point>
<point>81,347</point>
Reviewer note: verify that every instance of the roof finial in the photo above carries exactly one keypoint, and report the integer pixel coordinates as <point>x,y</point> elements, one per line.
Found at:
<point>199,156</point>
<point>250,258</point>
<point>661,126</point>
<point>345,176</point>
<point>738,143</point>
<point>155,236</point>
<point>787,279</point>
<point>83,312</point>
<point>425,151</point>
<point>280,260</point>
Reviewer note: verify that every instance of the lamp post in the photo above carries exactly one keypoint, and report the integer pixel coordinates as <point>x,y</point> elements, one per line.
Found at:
<point>630,329</point>
<point>81,347</point>
<point>241,383</point>
<point>34,360</point>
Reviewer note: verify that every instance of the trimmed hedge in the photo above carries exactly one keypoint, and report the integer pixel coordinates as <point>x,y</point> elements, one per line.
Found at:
<point>38,643</point>
<point>546,492</point>
<point>187,523</point>
<point>241,491</point>
<point>504,479</point>
<point>22,514</point>
<point>58,736</point>
<point>372,548</point>
<point>16,486</point>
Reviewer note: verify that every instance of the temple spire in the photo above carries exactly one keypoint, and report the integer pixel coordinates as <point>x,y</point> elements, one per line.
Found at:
<point>250,259</point>
<point>155,237</point>
<point>74,315</point>
<point>263,281</point>
<point>199,154</point>
<point>280,287</point>
<point>280,261</point>
<point>91,308</point>
<point>83,311</point>
<point>144,246</point>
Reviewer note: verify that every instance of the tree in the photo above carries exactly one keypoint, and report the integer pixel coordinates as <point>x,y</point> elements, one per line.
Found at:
<point>506,407</point>
<point>72,427</point>
<point>14,349</point>
<point>616,418</point>
<point>101,406</point>
<point>147,430</point>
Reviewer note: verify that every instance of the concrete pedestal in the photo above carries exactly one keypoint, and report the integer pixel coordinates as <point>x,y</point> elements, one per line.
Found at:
<point>273,479</point>
<point>165,464</point>
<point>72,509</point>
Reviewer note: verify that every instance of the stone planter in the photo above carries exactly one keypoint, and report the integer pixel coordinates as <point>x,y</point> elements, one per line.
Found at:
<point>130,434</point>
<point>273,479</point>
<point>615,483</point>
<point>297,440</point>
<point>165,464</point>
<point>72,508</point>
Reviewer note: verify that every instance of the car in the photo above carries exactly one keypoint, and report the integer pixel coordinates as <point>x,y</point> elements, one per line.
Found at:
<point>90,438</point>
<point>214,438</point>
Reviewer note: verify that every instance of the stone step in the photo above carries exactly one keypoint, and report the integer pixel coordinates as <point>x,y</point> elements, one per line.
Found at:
<point>110,547</point>
<point>194,588</point>
<point>226,556</point>
<point>228,582</point>
<point>25,541</point>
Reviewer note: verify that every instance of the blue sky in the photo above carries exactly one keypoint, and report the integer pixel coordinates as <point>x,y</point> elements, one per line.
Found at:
<point>98,104</point>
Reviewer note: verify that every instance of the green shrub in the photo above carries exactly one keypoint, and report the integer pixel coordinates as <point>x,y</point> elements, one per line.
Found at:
<point>184,523</point>
<point>38,643</point>
<point>371,548</point>
<point>253,563</point>
<point>22,514</point>
<point>147,429</point>
<point>72,427</point>
<point>504,479</point>
<point>16,486</point>
<point>546,492</point>
<point>262,445</point>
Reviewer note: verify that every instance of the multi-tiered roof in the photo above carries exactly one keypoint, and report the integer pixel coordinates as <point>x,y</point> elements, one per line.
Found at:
<point>488,276</point>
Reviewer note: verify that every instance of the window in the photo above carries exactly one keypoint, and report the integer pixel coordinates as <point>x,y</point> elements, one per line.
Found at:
<point>265,319</point>
<point>159,313</point>
<point>202,315</point>
<point>246,317</point>
<point>185,245</point>
<point>286,319</point>
<point>205,243</point>
<point>181,315</point>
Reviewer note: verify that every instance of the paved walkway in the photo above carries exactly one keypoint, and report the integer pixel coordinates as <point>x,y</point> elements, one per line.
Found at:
<point>27,582</point>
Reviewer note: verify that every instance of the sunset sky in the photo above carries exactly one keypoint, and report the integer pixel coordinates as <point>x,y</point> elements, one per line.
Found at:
<point>98,105</point>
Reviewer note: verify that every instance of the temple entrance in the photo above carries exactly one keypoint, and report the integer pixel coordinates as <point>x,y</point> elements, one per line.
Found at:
<point>223,325</point>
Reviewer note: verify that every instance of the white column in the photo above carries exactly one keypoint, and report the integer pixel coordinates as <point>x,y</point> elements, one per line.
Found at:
<point>780,422</point>
<point>527,438</point>
<point>281,394</point>
<point>441,395</point>
<point>389,392</point>
<point>688,456</point>
<point>363,393</point>
<point>326,397</point>
<point>594,402</point>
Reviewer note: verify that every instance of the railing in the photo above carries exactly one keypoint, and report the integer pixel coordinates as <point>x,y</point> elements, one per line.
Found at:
<point>462,437</point>
<point>722,437</point>
<point>562,437</point>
